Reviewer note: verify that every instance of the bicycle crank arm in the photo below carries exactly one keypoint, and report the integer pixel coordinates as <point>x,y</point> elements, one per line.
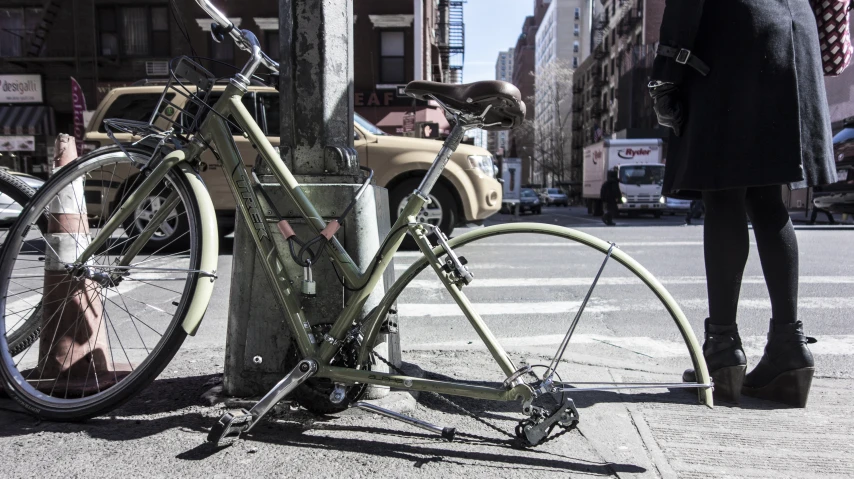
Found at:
<point>447,433</point>
<point>232,424</point>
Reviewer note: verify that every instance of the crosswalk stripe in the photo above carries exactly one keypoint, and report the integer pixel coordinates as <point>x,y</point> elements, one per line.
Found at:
<point>564,243</point>
<point>610,281</point>
<point>596,305</point>
<point>657,348</point>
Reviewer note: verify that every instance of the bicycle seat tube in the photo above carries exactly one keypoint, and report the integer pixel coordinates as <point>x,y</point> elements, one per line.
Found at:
<point>435,171</point>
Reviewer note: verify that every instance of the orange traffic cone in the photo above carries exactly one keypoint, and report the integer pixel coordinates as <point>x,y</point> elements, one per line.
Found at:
<point>74,355</point>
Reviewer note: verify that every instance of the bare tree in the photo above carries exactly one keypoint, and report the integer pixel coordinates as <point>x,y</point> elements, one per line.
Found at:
<point>551,126</point>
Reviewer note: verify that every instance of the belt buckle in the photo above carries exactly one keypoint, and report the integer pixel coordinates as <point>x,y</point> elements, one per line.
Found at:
<point>683,56</point>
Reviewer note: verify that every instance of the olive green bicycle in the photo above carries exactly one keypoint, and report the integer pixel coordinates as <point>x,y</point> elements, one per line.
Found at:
<point>113,310</point>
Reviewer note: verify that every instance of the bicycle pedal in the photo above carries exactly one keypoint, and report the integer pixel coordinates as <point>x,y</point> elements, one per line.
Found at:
<point>229,427</point>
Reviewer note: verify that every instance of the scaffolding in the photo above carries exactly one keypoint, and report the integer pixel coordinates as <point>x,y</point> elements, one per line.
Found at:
<point>452,39</point>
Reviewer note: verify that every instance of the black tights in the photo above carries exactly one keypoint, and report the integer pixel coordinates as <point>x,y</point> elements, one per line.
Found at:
<point>726,245</point>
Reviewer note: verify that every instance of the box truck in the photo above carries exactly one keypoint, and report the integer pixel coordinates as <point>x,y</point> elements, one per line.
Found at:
<point>640,170</point>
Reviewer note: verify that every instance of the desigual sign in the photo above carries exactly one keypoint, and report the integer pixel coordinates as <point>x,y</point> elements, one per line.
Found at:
<point>21,89</point>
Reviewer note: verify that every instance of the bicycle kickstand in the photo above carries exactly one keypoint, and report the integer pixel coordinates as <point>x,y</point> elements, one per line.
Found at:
<point>233,423</point>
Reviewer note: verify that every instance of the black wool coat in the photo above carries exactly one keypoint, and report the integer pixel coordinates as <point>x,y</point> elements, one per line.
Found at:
<point>760,117</point>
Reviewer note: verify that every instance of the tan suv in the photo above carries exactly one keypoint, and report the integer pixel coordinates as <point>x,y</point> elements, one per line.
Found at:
<point>466,193</point>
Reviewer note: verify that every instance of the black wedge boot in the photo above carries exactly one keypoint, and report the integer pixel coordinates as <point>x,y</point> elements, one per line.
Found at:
<point>725,360</point>
<point>784,374</point>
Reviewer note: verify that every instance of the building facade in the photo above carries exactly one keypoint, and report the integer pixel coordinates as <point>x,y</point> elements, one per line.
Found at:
<point>105,44</point>
<point>562,44</point>
<point>499,141</point>
<point>522,143</point>
<point>610,98</point>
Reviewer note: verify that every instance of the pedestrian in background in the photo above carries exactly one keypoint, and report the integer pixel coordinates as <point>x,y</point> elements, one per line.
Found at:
<point>740,83</point>
<point>610,194</point>
<point>695,211</point>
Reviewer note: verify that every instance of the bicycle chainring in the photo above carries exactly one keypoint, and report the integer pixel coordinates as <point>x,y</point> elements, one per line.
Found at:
<point>314,394</point>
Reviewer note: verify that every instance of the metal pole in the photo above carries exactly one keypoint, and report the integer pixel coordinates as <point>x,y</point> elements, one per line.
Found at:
<point>316,111</point>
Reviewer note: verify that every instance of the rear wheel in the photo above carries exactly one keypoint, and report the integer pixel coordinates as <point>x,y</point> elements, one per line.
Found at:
<point>107,326</point>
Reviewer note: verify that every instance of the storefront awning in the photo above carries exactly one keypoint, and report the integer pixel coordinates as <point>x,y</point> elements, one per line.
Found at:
<point>26,120</point>
<point>394,119</point>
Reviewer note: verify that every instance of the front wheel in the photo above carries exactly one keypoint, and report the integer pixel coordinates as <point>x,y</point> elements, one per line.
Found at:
<point>107,325</point>
<point>169,234</point>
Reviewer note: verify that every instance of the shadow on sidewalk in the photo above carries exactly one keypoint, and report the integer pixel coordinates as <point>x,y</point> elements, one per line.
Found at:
<point>292,435</point>
<point>129,421</point>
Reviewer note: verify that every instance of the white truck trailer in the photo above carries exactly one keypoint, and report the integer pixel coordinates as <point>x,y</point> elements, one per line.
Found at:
<point>640,169</point>
<point>511,174</point>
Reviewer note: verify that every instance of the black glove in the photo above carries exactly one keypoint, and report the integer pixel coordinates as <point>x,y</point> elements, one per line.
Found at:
<point>668,106</point>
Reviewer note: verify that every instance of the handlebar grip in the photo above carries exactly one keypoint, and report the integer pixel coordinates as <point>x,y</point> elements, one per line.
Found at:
<point>218,32</point>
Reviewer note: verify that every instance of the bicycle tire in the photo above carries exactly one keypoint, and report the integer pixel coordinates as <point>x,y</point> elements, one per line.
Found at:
<point>46,406</point>
<point>659,291</point>
<point>20,193</point>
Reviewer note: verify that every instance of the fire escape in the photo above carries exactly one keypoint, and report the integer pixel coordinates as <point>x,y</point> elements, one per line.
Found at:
<point>452,39</point>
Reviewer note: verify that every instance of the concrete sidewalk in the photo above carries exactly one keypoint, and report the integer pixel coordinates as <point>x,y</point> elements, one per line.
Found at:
<point>641,434</point>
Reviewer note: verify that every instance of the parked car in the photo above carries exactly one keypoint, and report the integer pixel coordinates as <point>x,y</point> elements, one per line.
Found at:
<point>467,191</point>
<point>839,197</point>
<point>529,201</point>
<point>10,209</point>
<point>675,205</point>
<point>555,197</point>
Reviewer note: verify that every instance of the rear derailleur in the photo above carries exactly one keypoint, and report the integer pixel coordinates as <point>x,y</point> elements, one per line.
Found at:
<point>535,429</point>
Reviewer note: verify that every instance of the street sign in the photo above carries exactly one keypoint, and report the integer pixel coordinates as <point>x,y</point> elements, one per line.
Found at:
<point>409,121</point>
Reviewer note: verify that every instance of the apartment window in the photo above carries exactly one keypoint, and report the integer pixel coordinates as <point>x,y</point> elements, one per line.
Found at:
<point>134,31</point>
<point>576,47</point>
<point>392,62</point>
<point>16,29</point>
<point>638,42</point>
<point>577,13</point>
<point>577,30</point>
<point>574,62</point>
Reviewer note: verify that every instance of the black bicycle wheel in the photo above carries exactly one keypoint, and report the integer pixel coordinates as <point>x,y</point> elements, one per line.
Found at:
<point>14,195</point>
<point>107,329</point>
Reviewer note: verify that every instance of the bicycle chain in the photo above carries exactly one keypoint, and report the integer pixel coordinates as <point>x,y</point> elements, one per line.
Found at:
<point>515,440</point>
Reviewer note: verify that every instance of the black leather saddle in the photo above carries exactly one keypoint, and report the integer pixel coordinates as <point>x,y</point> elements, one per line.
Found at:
<point>508,109</point>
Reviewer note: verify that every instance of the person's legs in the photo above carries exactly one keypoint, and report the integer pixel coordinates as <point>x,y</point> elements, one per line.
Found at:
<point>785,371</point>
<point>726,246</point>
<point>778,249</point>
<point>725,243</point>
<point>813,215</point>
<point>829,217</point>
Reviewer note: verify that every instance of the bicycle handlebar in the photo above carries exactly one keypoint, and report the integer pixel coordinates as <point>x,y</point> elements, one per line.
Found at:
<point>244,39</point>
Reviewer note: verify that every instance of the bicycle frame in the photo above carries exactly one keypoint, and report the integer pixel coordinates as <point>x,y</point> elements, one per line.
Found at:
<point>246,191</point>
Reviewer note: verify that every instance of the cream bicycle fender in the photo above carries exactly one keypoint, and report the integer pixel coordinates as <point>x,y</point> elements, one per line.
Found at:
<point>694,350</point>
<point>210,251</point>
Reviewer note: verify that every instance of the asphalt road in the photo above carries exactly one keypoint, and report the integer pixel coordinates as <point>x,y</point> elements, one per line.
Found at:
<point>527,289</point>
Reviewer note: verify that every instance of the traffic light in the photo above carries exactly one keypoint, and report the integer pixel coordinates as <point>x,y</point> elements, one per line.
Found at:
<point>427,129</point>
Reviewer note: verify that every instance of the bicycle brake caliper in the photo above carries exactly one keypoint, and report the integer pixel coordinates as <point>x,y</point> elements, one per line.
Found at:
<point>455,265</point>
